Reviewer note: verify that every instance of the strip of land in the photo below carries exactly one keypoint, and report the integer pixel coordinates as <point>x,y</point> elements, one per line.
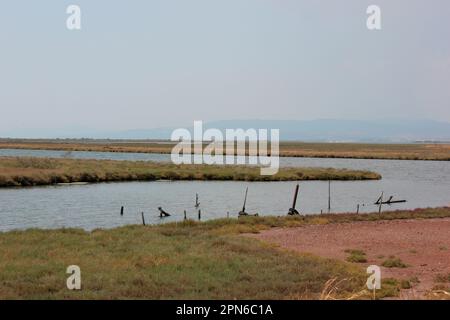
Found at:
<point>186,260</point>
<point>23,171</point>
<point>412,151</point>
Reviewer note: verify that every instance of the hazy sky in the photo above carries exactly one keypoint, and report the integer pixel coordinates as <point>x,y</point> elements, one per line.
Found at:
<point>151,63</point>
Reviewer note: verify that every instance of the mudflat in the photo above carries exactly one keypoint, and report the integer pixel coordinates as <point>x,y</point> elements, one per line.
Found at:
<point>422,246</point>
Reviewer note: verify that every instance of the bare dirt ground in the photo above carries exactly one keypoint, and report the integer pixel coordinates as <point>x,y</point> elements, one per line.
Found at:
<point>423,245</point>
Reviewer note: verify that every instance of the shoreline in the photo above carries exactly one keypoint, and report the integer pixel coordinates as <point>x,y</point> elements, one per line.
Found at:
<point>191,260</point>
<point>268,222</point>
<point>413,151</point>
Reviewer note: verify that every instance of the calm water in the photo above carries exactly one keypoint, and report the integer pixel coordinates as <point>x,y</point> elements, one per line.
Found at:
<point>421,183</point>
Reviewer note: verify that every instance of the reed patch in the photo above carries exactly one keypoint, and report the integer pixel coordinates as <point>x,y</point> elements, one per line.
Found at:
<point>23,171</point>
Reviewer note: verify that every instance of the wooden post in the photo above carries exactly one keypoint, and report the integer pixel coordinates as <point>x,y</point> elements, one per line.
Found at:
<point>357,209</point>
<point>199,215</point>
<point>245,200</point>
<point>242,212</point>
<point>121,211</point>
<point>294,202</point>
<point>329,196</point>
<point>197,204</point>
<point>185,217</point>
<point>143,219</point>
<point>292,211</point>
<point>381,202</point>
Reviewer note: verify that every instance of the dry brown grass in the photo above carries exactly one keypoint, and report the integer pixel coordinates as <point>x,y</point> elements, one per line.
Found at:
<point>331,291</point>
<point>368,151</point>
<point>416,151</point>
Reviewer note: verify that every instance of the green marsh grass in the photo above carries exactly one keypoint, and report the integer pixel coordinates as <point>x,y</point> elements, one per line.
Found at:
<point>184,260</point>
<point>24,171</point>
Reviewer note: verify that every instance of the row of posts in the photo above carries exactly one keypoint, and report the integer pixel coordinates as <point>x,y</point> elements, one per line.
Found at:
<point>228,214</point>
<point>185,215</point>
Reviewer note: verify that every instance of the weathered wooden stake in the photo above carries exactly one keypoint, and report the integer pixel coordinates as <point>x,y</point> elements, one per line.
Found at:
<point>292,211</point>
<point>245,199</point>
<point>357,209</point>
<point>381,202</point>
<point>197,204</point>
<point>185,217</point>
<point>162,213</point>
<point>121,211</point>
<point>242,212</point>
<point>143,218</point>
<point>199,215</point>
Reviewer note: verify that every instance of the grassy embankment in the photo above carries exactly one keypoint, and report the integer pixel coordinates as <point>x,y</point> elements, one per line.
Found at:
<point>188,260</point>
<point>37,171</point>
<point>425,151</point>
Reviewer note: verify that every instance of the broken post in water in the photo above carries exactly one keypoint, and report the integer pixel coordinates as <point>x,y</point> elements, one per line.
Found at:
<point>143,218</point>
<point>162,213</point>
<point>185,217</point>
<point>242,212</point>
<point>121,210</point>
<point>292,211</point>
<point>197,204</point>
<point>389,201</point>
<point>199,215</point>
<point>380,201</point>
<point>357,209</point>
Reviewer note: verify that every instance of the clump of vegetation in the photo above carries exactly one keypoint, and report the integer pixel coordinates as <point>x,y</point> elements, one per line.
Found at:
<point>355,255</point>
<point>394,262</point>
<point>440,291</point>
<point>414,280</point>
<point>408,283</point>
<point>389,288</point>
<point>405,284</point>
<point>36,171</point>
<point>443,278</point>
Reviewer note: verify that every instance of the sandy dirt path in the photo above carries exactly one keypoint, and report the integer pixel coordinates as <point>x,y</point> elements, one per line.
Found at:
<point>424,245</point>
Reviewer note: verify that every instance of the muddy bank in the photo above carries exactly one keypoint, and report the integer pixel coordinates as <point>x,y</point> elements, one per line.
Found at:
<point>422,245</point>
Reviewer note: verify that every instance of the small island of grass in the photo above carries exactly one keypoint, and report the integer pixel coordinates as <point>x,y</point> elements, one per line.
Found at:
<point>24,171</point>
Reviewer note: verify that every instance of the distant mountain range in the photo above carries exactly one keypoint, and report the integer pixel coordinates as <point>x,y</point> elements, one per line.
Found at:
<point>331,130</point>
<point>349,130</point>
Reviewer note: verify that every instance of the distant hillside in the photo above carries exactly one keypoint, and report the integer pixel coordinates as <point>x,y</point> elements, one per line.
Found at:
<point>349,130</point>
<point>326,130</point>
<point>388,130</point>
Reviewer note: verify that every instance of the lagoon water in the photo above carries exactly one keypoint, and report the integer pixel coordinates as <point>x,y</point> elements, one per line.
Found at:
<point>91,206</point>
